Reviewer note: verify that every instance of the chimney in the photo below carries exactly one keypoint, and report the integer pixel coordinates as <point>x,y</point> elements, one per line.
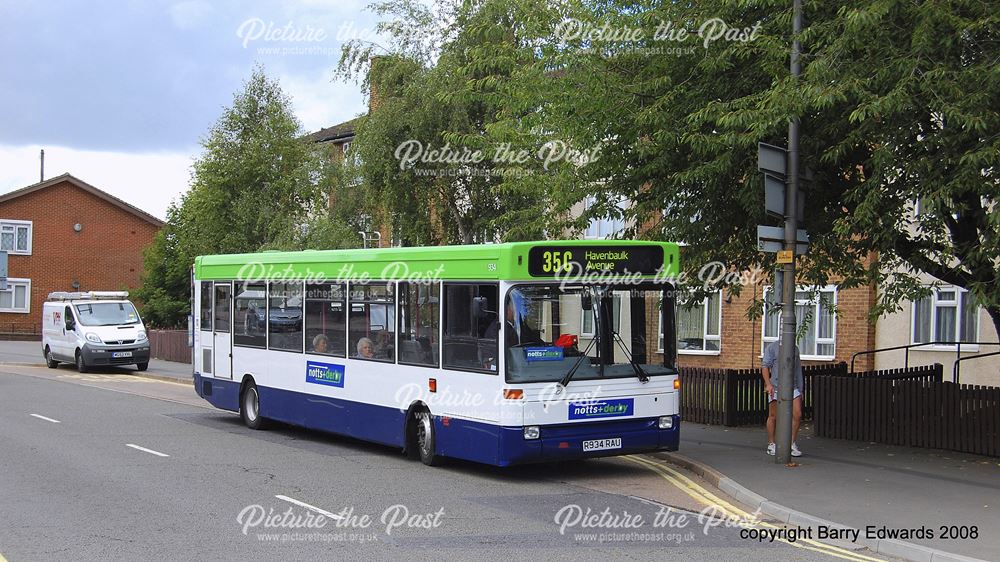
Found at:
<point>41,171</point>
<point>372,87</point>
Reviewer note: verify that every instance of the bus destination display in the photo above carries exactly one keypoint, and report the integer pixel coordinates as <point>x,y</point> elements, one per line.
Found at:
<point>549,261</point>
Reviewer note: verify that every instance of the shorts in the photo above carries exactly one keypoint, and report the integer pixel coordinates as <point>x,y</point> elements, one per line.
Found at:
<point>774,395</point>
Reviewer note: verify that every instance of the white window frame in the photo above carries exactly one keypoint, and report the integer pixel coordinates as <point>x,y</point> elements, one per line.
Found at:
<point>583,314</point>
<point>705,336</point>
<point>815,301</point>
<point>960,295</point>
<point>604,224</point>
<point>15,225</point>
<point>11,282</point>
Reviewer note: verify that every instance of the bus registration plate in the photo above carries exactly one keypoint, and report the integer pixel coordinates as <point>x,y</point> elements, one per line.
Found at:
<point>118,354</point>
<point>602,444</point>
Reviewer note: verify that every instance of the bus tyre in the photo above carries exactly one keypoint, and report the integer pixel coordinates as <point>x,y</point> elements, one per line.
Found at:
<point>141,366</point>
<point>425,442</point>
<point>250,407</point>
<point>80,365</point>
<point>49,361</point>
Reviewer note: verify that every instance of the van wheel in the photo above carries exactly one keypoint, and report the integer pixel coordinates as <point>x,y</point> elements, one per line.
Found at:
<point>141,366</point>
<point>425,443</point>
<point>80,365</point>
<point>49,361</point>
<point>250,407</point>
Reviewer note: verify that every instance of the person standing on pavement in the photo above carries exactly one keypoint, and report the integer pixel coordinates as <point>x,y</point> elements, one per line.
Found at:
<point>769,370</point>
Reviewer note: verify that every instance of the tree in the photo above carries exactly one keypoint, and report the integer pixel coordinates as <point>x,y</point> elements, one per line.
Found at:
<point>257,184</point>
<point>427,155</point>
<point>899,103</point>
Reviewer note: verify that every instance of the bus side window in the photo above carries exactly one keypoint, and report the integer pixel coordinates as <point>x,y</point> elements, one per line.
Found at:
<point>326,319</point>
<point>471,326</point>
<point>284,317</point>
<point>419,321</point>
<point>250,318</point>
<point>206,306</point>
<point>372,321</point>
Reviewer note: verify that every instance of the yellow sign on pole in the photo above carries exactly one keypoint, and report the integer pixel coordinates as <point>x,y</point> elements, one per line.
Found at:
<point>786,256</point>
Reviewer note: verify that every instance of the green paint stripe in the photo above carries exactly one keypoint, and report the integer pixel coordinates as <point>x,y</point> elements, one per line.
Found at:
<point>488,261</point>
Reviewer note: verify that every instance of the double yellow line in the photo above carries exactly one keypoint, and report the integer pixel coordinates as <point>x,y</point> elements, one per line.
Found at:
<point>703,496</point>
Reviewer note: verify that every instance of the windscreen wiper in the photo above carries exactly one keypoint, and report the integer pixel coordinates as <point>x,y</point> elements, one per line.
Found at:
<point>579,360</point>
<point>643,377</point>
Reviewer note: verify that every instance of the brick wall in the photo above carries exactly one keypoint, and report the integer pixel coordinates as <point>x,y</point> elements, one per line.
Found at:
<point>105,255</point>
<point>741,338</point>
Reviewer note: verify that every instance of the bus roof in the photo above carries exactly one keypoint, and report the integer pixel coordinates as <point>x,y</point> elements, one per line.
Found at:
<point>513,261</point>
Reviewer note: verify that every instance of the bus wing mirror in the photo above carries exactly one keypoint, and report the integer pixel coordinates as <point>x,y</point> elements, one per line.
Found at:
<point>479,306</point>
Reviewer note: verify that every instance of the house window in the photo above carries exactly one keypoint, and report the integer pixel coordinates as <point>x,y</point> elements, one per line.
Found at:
<point>948,314</point>
<point>587,321</point>
<point>604,227</point>
<point>16,297</point>
<point>699,326</point>
<point>15,236</point>
<point>814,308</point>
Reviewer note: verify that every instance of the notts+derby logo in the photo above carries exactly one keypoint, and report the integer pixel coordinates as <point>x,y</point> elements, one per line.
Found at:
<point>601,409</point>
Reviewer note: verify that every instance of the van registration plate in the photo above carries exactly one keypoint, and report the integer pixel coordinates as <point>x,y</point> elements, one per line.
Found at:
<point>118,354</point>
<point>602,444</point>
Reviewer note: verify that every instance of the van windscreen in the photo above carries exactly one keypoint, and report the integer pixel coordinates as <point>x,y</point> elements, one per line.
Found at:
<point>106,313</point>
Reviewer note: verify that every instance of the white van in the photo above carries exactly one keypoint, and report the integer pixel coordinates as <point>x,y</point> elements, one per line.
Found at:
<point>93,329</point>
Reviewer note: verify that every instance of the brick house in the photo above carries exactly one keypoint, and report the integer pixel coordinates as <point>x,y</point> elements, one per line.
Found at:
<point>716,332</point>
<point>64,234</point>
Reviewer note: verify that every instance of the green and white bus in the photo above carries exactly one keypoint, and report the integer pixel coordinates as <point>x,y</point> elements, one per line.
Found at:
<point>499,354</point>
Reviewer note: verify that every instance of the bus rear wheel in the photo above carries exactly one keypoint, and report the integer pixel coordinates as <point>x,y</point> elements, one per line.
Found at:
<point>425,441</point>
<point>250,407</point>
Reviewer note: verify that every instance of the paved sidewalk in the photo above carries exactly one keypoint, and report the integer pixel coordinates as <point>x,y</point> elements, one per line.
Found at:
<point>859,484</point>
<point>30,353</point>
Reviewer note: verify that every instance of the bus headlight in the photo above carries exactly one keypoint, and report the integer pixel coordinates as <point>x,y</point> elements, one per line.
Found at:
<point>532,432</point>
<point>666,422</point>
<point>92,337</point>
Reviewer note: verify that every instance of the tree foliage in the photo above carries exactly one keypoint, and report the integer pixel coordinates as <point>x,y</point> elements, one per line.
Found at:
<point>257,184</point>
<point>898,101</point>
<point>430,98</point>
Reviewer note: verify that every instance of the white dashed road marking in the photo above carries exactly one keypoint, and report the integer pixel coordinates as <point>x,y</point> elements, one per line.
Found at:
<point>310,507</point>
<point>145,450</point>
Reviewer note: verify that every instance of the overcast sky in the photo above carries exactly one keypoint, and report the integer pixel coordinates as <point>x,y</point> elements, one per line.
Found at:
<point>119,93</point>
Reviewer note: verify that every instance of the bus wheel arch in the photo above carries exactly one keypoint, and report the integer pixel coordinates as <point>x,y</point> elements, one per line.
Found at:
<point>421,435</point>
<point>249,404</point>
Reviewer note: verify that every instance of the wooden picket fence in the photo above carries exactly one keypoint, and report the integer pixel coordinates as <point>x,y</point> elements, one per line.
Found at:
<point>734,397</point>
<point>169,345</point>
<point>909,412</point>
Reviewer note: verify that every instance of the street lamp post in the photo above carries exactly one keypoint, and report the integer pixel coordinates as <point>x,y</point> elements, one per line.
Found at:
<point>786,358</point>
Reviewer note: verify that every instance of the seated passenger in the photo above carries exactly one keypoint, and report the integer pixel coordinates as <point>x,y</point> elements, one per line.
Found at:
<point>320,343</point>
<point>366,349</point>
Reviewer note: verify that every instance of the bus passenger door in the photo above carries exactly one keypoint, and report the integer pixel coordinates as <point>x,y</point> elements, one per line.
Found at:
<point>205,360</point>
<point>222,335</point>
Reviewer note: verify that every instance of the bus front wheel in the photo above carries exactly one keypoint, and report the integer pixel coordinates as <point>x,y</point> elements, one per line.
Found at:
<point>250,407</point>
<point>425,442</point>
